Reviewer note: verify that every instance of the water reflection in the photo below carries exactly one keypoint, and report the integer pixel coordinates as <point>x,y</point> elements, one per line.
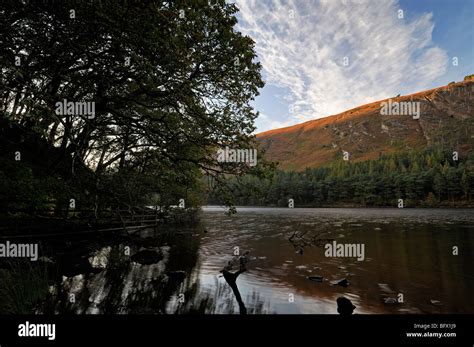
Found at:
<point>181,271</point>
<point>408,252</point>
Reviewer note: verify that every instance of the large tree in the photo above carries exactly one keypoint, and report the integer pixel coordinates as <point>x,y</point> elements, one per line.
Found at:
<point>172,81</point>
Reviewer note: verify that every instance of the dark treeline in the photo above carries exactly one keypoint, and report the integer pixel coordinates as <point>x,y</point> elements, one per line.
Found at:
<point>428,178</point>
<point>165,85</point>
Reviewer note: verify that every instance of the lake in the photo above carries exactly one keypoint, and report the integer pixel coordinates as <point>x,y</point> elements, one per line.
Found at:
<point>408,265</point>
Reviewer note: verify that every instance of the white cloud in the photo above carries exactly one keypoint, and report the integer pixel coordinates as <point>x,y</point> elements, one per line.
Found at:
<point>387,55</point>
<point>265,123</point>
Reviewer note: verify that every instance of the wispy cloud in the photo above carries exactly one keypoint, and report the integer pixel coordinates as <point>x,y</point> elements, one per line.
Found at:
<point>303,45</point>
<point>265,122</point>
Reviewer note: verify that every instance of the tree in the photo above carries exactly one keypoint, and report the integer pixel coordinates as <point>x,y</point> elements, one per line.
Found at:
<point>465,184</point>
<point>439,185</point>
<point>431,200</point>
<point>171,82</point>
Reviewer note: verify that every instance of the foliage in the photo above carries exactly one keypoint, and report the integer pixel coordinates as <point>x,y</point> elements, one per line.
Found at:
<point>171,82</point>
<point>427,178</point>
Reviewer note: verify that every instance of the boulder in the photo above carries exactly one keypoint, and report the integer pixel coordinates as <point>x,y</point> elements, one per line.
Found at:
<point>344,306</point>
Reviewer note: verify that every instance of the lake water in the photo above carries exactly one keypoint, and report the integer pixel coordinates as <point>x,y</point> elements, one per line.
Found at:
<point>407,252</point>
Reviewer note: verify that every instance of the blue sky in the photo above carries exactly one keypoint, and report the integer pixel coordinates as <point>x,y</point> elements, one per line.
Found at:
<point>322,57</point>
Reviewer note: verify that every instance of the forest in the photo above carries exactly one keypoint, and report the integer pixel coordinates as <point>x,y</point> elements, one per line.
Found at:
<point>430,178</point>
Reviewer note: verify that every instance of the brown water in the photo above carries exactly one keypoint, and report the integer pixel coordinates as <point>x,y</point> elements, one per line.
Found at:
<point>407,251</point>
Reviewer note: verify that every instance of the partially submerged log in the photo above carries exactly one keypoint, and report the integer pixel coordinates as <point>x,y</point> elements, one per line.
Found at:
<point>231,278</point>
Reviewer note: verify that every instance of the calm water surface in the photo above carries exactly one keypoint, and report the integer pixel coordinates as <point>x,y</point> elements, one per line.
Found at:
<point>407,251</point>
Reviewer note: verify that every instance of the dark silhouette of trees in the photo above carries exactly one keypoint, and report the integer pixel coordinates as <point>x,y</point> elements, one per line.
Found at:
<point>171,82</point>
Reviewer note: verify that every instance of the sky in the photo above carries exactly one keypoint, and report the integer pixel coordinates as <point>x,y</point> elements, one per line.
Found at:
<point>322,57</point>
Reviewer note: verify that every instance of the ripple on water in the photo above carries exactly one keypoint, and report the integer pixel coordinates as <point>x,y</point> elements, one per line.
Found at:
<point>391,236</point>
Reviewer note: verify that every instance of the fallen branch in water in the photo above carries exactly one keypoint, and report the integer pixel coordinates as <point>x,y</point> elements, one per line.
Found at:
<point>299,241</point>
<point>231,278</point>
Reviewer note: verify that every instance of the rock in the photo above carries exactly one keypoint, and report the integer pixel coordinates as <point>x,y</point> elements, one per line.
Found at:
<point>344,306</point>
<point>390,301</point>
<point>316,278</point>
<point>342,282</point>
<point>146,257</point>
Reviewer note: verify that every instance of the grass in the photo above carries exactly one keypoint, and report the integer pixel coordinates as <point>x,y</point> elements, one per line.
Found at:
<point>22,286</point>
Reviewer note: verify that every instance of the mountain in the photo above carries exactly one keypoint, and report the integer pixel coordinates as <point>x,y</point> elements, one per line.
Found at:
<point>446,118</point>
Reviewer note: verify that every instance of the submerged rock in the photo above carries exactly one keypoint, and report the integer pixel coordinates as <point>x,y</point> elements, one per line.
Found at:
<point>344,306</point>
<point>316,278</point>
<point>390,301</point>
<point>342,282</point>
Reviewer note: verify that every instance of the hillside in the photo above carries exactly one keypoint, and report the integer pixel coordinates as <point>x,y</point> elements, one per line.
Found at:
<point>446,118</point>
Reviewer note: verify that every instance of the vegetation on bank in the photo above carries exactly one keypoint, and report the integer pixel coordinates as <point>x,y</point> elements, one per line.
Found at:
<point>429,178</point>
<point>24,286</point>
